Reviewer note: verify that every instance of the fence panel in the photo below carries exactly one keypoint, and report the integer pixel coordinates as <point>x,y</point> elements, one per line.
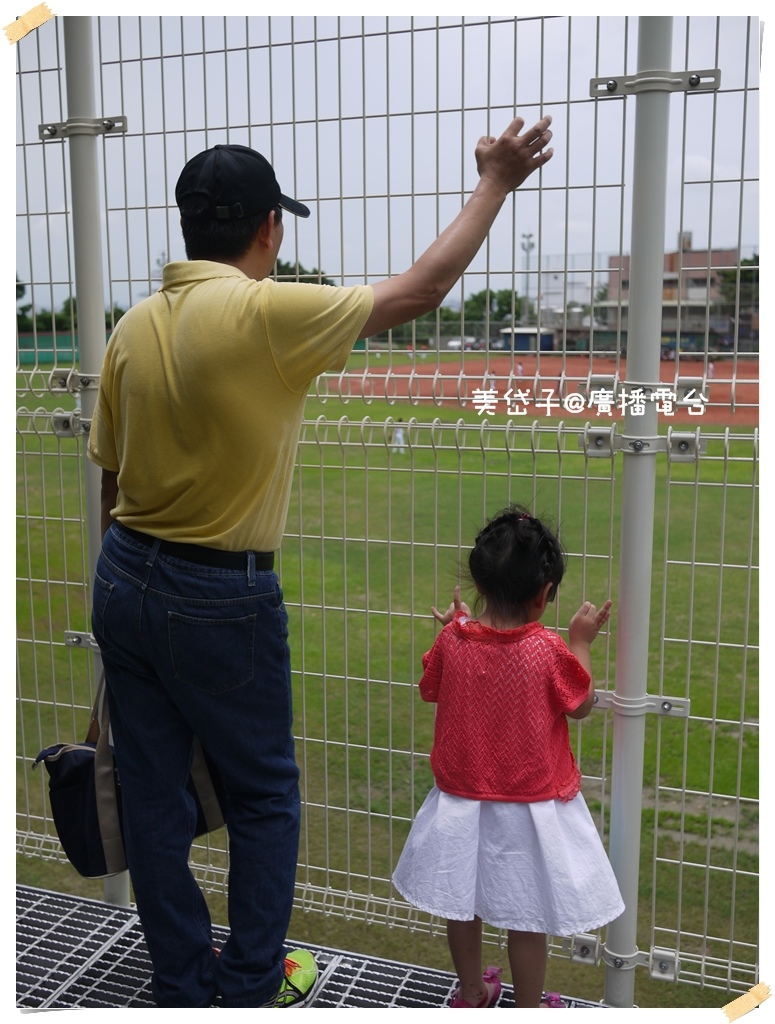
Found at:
<point>512,391</point>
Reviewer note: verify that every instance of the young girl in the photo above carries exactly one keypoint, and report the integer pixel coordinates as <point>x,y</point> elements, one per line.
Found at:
<point>505,835</point>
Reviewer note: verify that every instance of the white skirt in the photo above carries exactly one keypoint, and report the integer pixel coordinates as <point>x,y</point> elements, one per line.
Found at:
<point>537,867</point>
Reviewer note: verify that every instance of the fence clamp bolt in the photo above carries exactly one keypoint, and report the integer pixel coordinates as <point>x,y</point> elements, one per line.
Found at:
<point>82,126</point>
<point>71,382</point>
<point>683,446</point>
<point>599,442</point>
<point>657,81</point>
<point>84,640</point>
<point>626,963</point>
<point>604,442</point>
<point>664,964</point>
<point>583,949</point>
<point>69,424</point>
<point>670,707</point>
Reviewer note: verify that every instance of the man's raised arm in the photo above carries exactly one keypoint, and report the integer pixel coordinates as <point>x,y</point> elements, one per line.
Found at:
<point>503,165</point>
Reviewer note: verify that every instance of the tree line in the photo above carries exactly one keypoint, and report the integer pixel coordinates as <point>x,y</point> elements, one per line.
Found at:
<point>65,319</point>
<point>499,307</point>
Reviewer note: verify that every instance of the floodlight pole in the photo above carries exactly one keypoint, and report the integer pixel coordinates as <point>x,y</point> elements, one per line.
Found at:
<point>639,446</point>
<point>90,302</point>
<point>527,246</point>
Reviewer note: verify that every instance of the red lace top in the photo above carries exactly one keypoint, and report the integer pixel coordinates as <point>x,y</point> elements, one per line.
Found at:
<point>502,696</point>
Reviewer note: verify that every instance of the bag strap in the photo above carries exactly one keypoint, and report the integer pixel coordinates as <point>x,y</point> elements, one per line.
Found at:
<point>108,814</point>
<point>94,718</point>
<point>104,781</point>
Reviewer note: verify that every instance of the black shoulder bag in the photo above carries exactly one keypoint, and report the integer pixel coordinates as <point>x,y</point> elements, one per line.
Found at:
<point>85,794</point>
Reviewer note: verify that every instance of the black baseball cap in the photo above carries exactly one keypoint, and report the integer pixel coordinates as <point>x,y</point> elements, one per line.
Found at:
<point>238,181</point>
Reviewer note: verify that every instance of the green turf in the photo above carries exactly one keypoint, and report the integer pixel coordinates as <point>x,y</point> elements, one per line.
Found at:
<point>373,539</point>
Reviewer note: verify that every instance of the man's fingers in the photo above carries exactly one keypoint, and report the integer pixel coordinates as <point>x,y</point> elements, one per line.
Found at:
<point>532,135</point>
<point>515,127</point>
<point>543,157</point>
<point>540,139</point>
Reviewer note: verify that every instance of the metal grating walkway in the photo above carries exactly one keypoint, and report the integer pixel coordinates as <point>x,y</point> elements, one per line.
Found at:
<point>77,953</point>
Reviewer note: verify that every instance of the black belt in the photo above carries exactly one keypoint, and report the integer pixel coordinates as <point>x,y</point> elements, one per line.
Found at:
<point>214,557</point>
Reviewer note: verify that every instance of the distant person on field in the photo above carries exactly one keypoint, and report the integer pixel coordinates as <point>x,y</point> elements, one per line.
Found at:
<point>398,438</point>
<point>505,835</point>
<point>196,429</point>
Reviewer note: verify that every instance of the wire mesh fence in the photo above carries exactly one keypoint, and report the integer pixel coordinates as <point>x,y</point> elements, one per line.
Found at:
<point>514,390</point>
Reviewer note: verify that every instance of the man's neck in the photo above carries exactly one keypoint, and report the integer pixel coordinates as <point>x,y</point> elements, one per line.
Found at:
<point>250,266</point>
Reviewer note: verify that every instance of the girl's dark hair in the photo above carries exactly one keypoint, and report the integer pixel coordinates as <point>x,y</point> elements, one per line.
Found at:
<point>514,556</point>
<point>207,238</point>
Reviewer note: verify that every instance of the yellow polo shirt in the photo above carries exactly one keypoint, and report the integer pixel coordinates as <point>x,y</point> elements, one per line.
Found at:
<point>201,397</point>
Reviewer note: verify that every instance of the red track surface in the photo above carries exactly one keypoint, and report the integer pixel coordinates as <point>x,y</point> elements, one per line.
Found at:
<point>405,385</point>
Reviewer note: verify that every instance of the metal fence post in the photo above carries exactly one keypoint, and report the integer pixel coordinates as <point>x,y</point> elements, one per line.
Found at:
<point>89,290</point>
<point>638,491</point>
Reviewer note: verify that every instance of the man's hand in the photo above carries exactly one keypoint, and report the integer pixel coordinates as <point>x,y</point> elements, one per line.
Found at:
<point>456,606</point>
<point>503,165</point>
<point>507,161</point>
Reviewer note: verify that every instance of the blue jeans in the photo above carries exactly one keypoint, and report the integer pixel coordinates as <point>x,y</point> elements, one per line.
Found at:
<point>191,650</point>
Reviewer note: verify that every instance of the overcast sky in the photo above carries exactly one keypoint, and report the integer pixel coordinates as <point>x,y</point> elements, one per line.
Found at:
<point>352,111</point>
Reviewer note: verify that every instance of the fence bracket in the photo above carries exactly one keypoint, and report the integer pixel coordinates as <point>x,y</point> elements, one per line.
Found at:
<point>640,958</point>
<point>51,130</point>
<point>83,640</point>
<point>689,391</point>
<point>669,707</point>
<point>583,949</point>
<point>599,442</point>
<point>604,442</point>
<point>683,446</point>
<point>70,424</point>
<point>664,964</point>
<point>599,382</point>
<point>71,381</point>
<point>657,81</point>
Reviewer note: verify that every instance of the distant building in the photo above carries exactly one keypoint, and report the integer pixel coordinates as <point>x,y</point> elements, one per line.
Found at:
<point>694,306</point>
<point>527,339</point>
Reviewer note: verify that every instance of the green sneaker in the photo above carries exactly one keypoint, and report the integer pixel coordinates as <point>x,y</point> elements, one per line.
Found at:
<point>301,973</point>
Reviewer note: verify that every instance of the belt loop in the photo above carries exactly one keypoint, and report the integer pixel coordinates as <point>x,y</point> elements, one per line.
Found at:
<point>153,552</point>
<point>251,568</point>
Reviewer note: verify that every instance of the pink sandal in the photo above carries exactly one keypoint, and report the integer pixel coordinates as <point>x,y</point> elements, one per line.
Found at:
<point>492,982</point>
<point>552,1001</point>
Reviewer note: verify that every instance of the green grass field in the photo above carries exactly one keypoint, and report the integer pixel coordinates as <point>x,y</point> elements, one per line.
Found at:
<point>375,538</point>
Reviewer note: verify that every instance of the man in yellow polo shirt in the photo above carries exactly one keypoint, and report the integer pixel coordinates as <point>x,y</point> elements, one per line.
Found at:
<point>197,422</point>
